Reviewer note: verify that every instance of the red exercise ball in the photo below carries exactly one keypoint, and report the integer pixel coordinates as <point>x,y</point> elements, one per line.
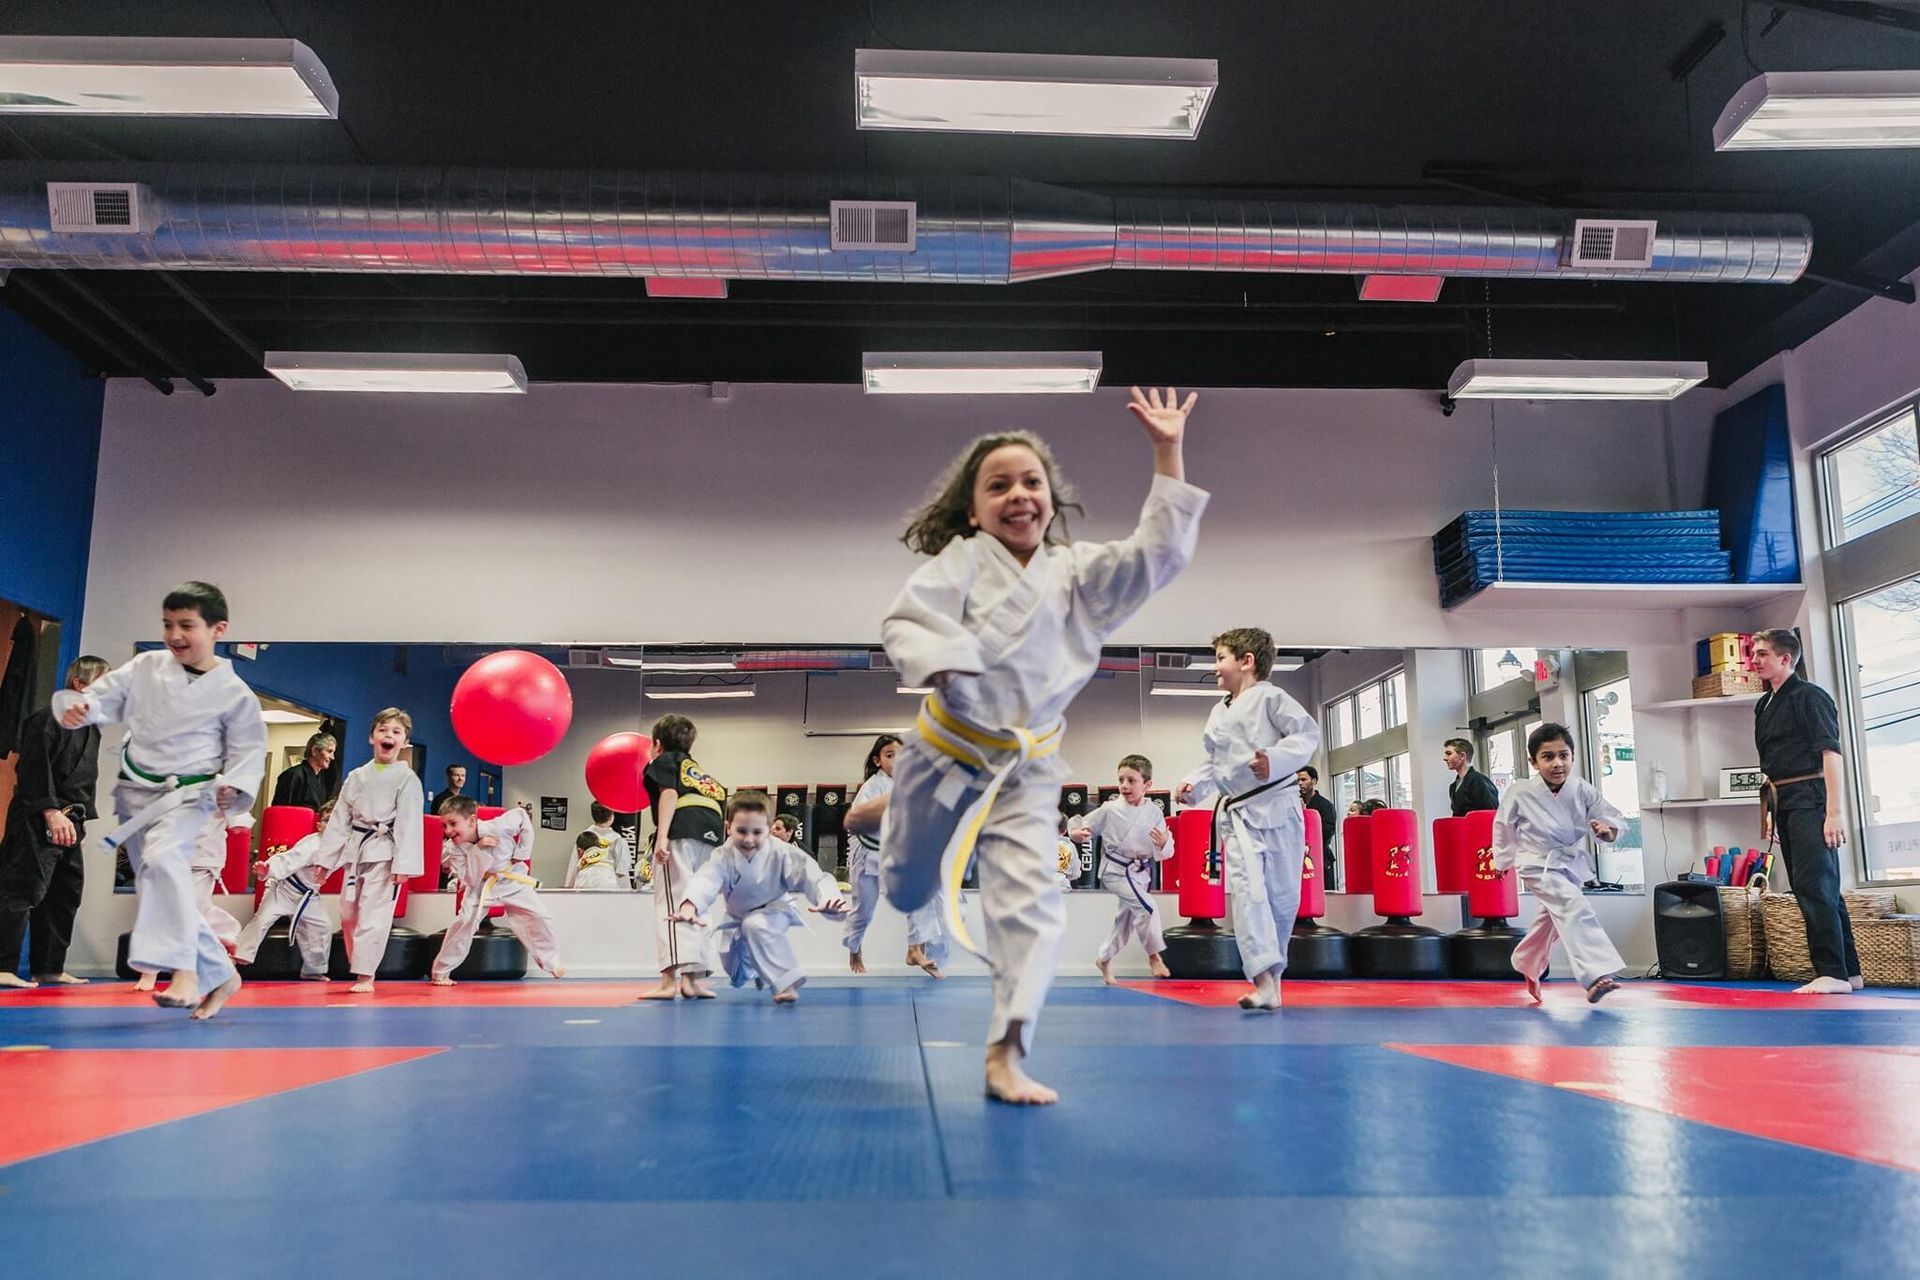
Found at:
<point>614,767</point>
<point>512,707</point>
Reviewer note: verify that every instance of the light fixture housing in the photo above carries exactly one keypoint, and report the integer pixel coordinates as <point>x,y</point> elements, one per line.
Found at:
<point>1049,94</point>
<point>1808,110</point>
<point>1379,288</point>
<point>698,695</point>
<point>1187,691</point>
<point>1574,379</point>
<point>980,373</point>
<point>921,689</point>
<point>395,371</point>
<point>163,76</point>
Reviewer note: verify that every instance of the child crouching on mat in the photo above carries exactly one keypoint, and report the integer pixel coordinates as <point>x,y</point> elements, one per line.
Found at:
<point>753,874</point>
<point>1541,830</point>
<point>293,877</point>
<point>1133,836</point>
<point>483,853</point>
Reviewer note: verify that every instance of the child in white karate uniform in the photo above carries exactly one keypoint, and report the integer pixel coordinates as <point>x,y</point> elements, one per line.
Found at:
<point>754,875</point>
<point>377,835</point>
<point>195,751</point>
<point>293,876</point>
<point>601,857</point>
<point>1006,622</point>
<point>1133,836</point>
<point>1541,830</point>
<point>1256,739</point>
<point>483,853</point>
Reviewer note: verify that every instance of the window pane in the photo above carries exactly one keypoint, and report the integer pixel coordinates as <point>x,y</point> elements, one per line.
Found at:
<point>1500,758</point>
<point>1875,479</point>
<point>1340,723</point>
<point>1396,699</point>
<point>1495,667</point>
<point>1367,711</point>
<point>1373,780</point>
<point>1399,782</point>
<point>1346,790</point>
<point>1613,767</point>
<point>1884,629</point>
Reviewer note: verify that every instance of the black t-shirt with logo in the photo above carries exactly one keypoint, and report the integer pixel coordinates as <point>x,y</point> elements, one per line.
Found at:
<point>696,815</point>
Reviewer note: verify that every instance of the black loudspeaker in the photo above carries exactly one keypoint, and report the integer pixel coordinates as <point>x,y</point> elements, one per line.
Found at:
<point>790,799</point>
<point>1688,932</point>
<point>1107,793</point>
<point>830,808</point>
<point>1073,800</point>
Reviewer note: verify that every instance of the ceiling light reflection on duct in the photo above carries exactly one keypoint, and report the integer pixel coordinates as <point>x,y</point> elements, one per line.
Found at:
<point>1186,691</point>
<point>1574,379</point>
<point>139,76</point>
<point>951,92</point>
<point>979,373</point>
<point>388,371</point>
<point>1804,110</point>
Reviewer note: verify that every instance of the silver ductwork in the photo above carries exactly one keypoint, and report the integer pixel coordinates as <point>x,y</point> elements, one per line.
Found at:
<point>776,227</point>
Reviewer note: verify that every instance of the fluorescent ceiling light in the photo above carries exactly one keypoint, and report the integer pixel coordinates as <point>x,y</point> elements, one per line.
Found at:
<point>643,664</point>
<point>980,373</point>
<point>138,76</point>
<point>1289,664</point>
<point>1574,379</point>
<point>922,689</point>
<point>274,715</point>
<point>1401,288</point>
<point>1186,691</point>
<point>1795,110</point>
<point>697,695</point>
<point>390,371</point>
<point>947,92</point>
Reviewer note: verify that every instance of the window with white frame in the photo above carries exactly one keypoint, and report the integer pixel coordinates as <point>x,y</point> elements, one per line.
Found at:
<point>1495,667</point>
<point>1368,711</point>
<point>1873,480</point>
<point>1880,635</point>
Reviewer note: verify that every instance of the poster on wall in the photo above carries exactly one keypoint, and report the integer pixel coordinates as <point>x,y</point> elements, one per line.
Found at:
<point>553,813</point>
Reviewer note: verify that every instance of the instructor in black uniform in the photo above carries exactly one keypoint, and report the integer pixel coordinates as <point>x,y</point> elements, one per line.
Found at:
<point>1797,731</point>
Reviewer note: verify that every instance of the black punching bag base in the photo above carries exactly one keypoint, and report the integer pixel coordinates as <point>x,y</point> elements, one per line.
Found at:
<point>408,956</point>
<point>1317,951</point>
<point>1484,953</point>
<point>1202,949</point>
<point>495,957</point>
<point>1398,949</point>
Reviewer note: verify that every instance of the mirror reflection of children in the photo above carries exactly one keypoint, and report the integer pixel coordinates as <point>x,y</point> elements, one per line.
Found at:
<point>753,873</point>
<point>1133,836</point>
<point>601,858</point>
<point>292,877</point>
<point>863,850</point>
<point>1541,830</point>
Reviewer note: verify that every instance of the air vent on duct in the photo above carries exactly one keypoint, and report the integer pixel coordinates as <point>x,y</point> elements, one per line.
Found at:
<point>874,225</point>
<point>1598,243</point>
<point>100,208</point>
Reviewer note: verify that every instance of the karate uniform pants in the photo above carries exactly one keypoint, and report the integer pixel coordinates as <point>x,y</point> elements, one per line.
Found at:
<point>366,915</point>
<point>1813,872</point>
<point>1263,888</point>
<point>756,946</point>
<point>1018,860</point>
<point>170,934</point>
<point>681,947</point>
<point>1564,915</point>
<point>311,932</point>
<point>40,883</point>
<point>599,876</point>
<point>1130,919</point>
<point>526,916</point>
<point>206,882</point>
<point>864,889</point>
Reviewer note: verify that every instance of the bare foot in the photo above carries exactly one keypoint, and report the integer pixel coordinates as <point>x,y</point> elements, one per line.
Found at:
<point>1601,989</point>
<point>667,990</point>
<point>789,996</point>
<point>1106,971</point>
<point>315,977</point>
<point>1825,987</point>
<point>916,957</point>
<point>1533,989</point>
<point>62,980</point>
<point>210,1004</point>
<point>694,990</point>
<point>181,993</point>
<point>1158,967</point>
<point>14,980</point>
<point>442,982</point>
<point>364,987</point>
<point>1265,996</point>
<point>856,962</point>
<point>1857,982</point>
<point>1006,1082</point>
<point>558,971</point>
<point>147,981</point>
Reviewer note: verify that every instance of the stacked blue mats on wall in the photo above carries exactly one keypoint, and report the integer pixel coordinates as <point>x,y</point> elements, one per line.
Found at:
<point>1577,546</point>
<point>1750,479</point>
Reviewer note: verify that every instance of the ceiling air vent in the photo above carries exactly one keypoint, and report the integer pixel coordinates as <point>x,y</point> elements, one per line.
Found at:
<point>889,226</point>
<point>1165,661</point>
<point>100,208</point>
<point>1599,243</point>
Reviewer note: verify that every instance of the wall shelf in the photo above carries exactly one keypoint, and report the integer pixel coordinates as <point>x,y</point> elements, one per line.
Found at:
<point>1678,704</point>
<point>1636,597</point>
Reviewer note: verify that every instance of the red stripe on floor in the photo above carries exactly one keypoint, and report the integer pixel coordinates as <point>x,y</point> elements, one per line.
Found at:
<point>1502,995</point>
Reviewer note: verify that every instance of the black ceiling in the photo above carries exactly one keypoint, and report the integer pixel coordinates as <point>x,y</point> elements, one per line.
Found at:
<point>1449,101</point>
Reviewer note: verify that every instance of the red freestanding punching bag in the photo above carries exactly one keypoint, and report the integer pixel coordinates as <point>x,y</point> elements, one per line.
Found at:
<point>281,827</point>
<point>1451,870</point>
<point>1356,850</point>
<point>1313,885</point>
<point>1484,949</point>
<point>1398,948</point>
<point>433,834</point>
<point>1314,950</point>
<point>1200,948</point>
<point>238,872</point>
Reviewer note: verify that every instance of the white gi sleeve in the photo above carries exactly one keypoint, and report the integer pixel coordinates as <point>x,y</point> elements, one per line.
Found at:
<point>409,832</point>
<point>922,632</point>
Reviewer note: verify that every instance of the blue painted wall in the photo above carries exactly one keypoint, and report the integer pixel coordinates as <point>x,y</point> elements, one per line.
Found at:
<point>49,453</point>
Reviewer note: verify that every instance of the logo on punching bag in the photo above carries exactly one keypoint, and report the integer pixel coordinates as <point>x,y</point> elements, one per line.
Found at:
<point>1211,867</point>
<point>273,849</point>
<point>1306,868</point>
<point>1483,866</point>
<point>1397,860</point>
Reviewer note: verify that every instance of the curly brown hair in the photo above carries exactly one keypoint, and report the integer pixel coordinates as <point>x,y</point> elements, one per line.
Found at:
<point>946,517</point>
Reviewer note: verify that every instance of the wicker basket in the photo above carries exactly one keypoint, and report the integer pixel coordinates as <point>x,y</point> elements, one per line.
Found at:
<point>1746,935</point>
<point>1889,950</point>
<point>1727,684</point>
<point>1786,929</point>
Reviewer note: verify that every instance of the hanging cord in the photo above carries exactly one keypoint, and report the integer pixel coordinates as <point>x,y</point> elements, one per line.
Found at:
<point>1499,537</point>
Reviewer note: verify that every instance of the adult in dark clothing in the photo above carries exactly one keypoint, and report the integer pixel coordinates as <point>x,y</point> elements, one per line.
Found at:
<point>1797,731</point>
<point>41,874</point>
<point>1471,790</point>
<point>1310,797</point>
<point>456,785</point>
<point>309,784</point>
